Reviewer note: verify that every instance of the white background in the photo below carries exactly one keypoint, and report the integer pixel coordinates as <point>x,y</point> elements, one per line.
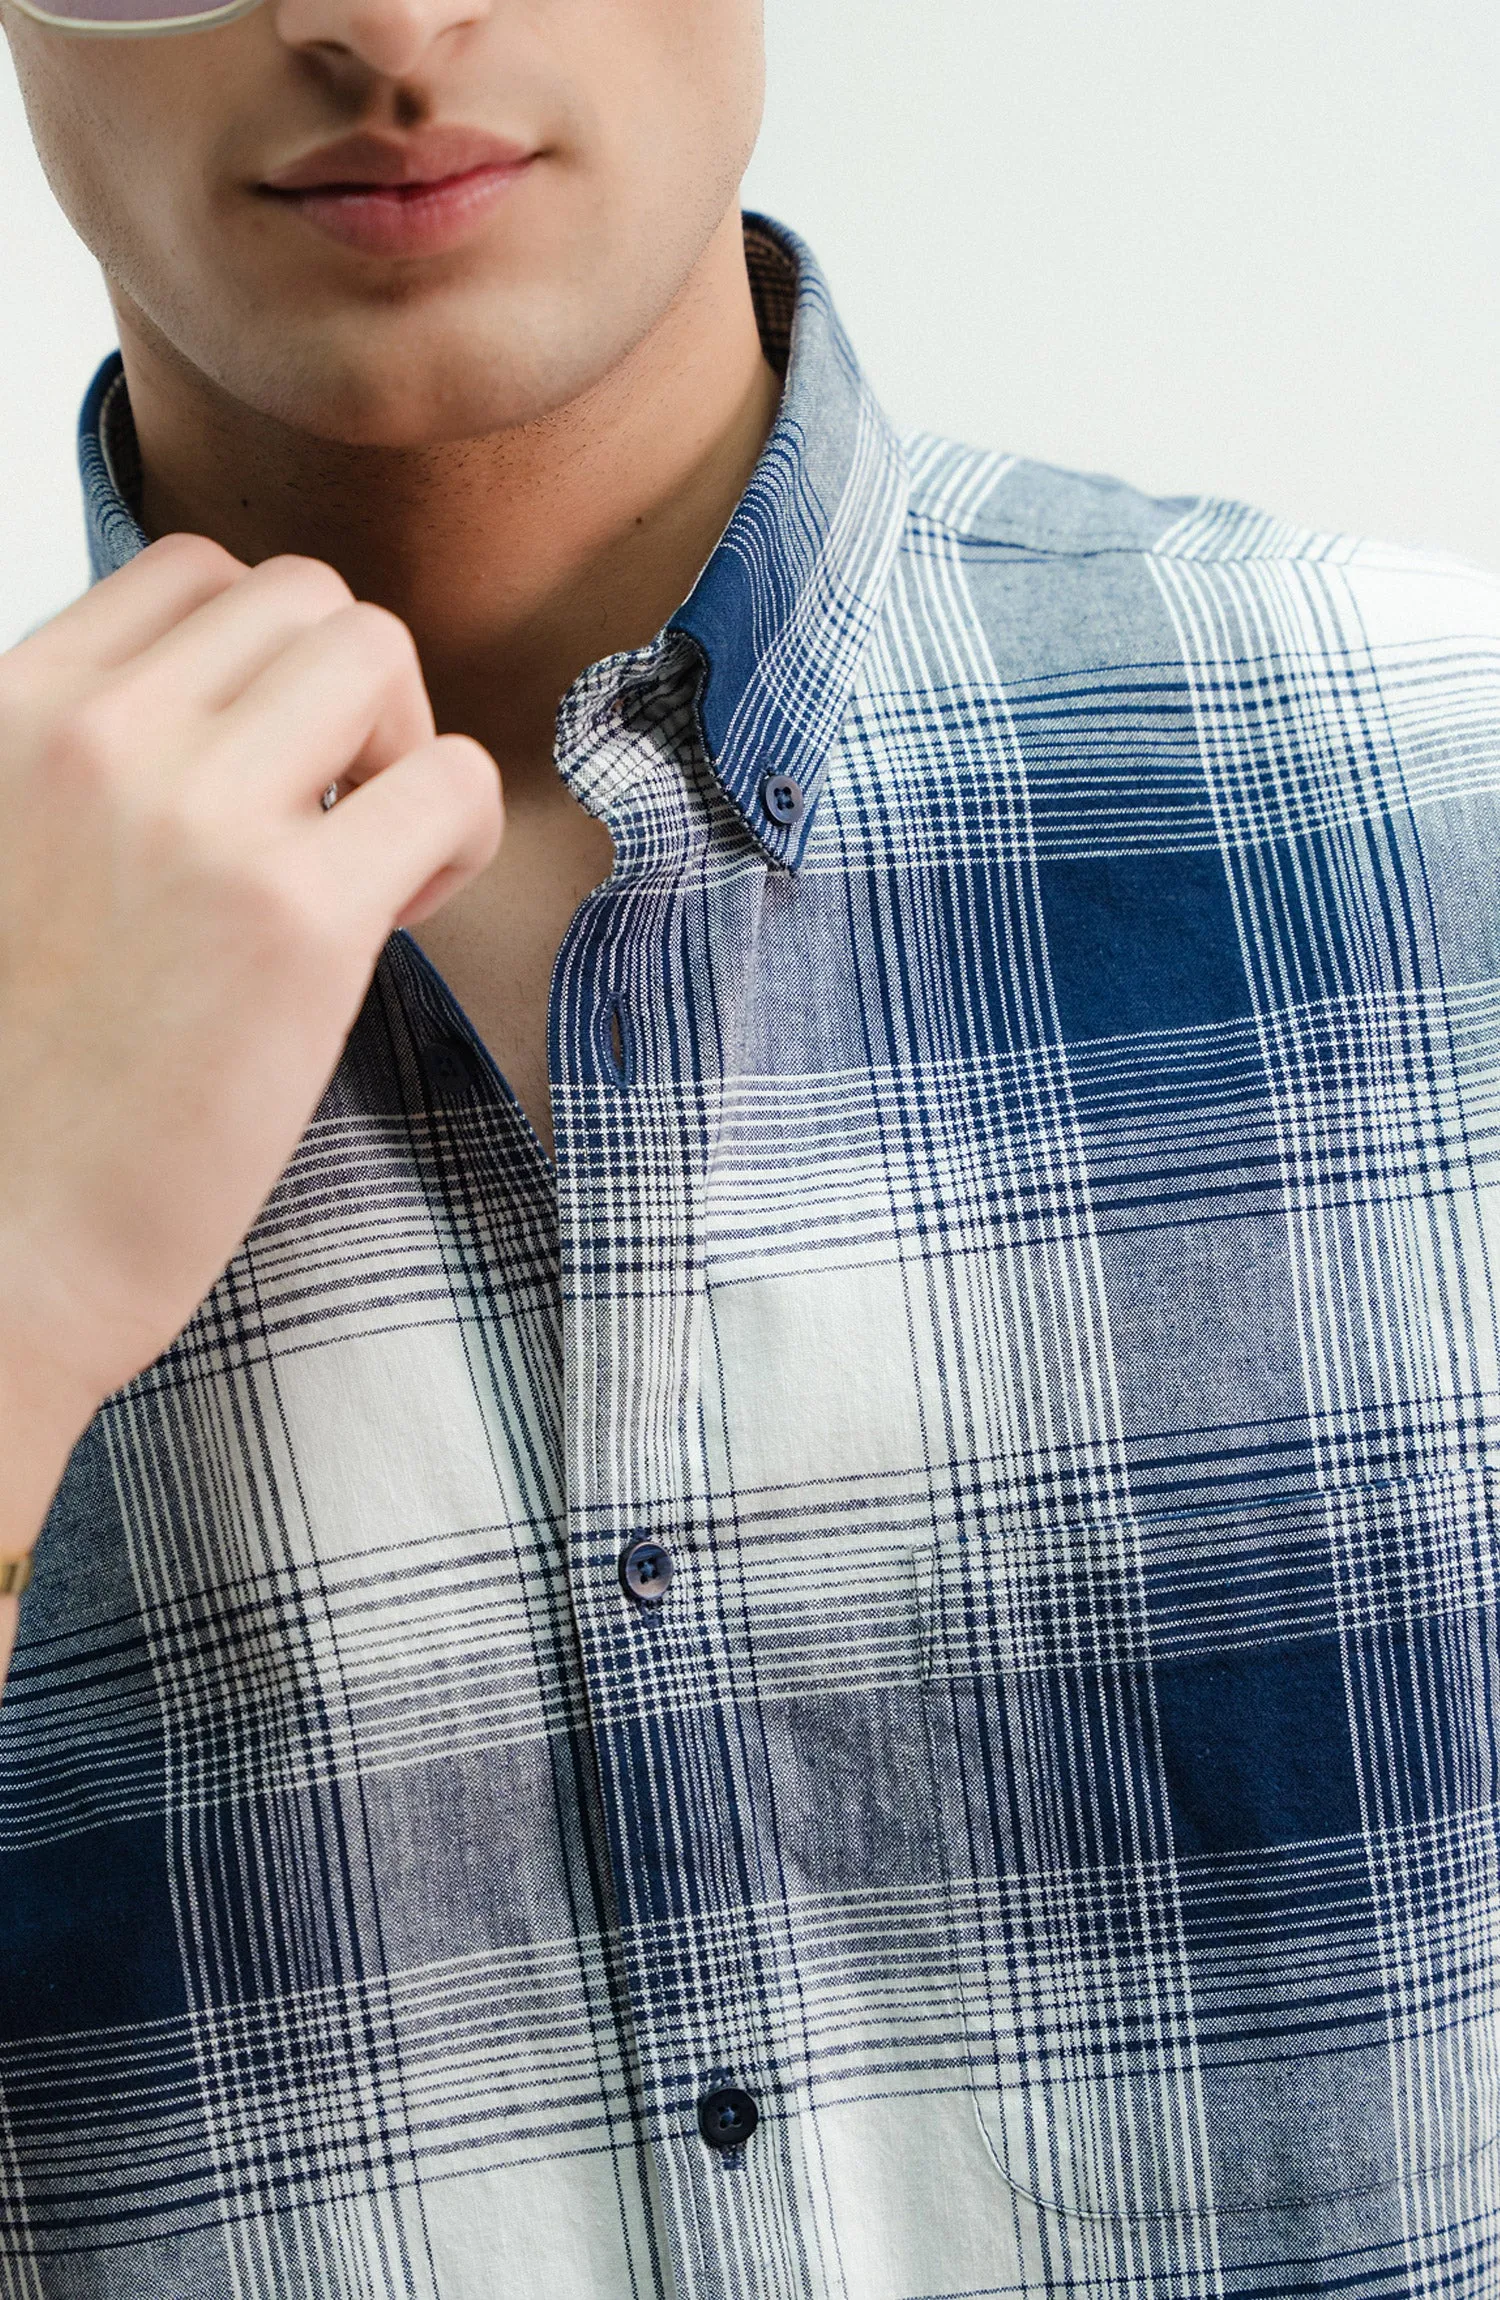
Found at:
<point>1243,246</point>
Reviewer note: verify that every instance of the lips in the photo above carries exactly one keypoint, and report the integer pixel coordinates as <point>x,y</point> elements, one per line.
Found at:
<point>429,156</point>
<point>388,196</point>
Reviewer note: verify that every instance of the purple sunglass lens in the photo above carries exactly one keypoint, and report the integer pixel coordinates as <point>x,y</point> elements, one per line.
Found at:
<point>134,15</point>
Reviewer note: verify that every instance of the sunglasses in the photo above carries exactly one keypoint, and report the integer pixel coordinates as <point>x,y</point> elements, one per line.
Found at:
<point>121,18</point>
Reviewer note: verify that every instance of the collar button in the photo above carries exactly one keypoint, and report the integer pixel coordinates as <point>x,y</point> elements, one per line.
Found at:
<point>448,1072</point>
<point>782,800</point>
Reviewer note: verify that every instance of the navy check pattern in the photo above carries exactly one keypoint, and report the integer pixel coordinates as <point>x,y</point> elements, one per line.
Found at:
<point>1023,1239</point>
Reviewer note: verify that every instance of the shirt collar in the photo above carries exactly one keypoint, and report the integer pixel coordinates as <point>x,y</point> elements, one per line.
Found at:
<point>784,610</point>
<point>781,615</point>
<point>109,466</point>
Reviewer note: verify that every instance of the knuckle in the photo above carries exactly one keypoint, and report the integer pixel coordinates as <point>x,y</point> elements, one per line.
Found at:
<point>462,757</point>
<point>198,557</point>
<point>309,584</point>
<point>386,635</point>
<point>470,768</point>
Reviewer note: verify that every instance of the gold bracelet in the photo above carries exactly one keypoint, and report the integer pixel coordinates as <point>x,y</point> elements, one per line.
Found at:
<point>15,1572</point>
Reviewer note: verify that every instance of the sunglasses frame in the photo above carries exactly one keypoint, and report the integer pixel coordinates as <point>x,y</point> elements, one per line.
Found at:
<point>152,28</point>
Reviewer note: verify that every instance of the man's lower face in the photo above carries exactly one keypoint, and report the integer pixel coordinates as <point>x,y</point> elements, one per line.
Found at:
<point>578,159</point>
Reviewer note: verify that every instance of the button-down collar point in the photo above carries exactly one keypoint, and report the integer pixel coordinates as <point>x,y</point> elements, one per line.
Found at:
<point>783,613</point>
<point>781,797</point>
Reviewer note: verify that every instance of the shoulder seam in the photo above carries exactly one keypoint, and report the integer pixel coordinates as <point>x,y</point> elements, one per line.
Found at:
<point>1322,548</point>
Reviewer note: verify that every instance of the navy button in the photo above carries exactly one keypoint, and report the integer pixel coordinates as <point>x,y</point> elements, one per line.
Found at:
<point>646,1571</point>
<point>447,1070</point>
<point>726,2119</point>
<point>782,800</point>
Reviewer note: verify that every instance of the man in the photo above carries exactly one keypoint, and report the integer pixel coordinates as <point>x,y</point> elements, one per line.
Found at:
<point>789,1591</point>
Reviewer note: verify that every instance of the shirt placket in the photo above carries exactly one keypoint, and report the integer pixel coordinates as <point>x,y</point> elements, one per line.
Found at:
<point>646,1008</point>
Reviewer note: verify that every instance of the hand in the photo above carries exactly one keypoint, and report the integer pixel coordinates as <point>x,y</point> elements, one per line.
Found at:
<point>186,935</point>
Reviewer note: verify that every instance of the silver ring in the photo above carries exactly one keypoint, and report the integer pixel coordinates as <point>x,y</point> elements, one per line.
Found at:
<point>330,797</point>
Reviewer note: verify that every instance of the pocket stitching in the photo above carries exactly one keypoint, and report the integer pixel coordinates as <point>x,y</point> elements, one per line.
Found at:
<point>1214,2211</point>
<point>929,1600</point>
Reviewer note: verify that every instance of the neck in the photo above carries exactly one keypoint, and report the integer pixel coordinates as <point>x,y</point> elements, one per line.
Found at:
<point>517,559</point>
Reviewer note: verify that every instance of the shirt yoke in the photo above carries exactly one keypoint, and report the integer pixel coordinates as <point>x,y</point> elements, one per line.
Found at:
<point>987,496</point>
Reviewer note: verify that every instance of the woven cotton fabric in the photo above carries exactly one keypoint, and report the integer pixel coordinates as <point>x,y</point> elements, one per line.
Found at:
<point>1024,1240</point>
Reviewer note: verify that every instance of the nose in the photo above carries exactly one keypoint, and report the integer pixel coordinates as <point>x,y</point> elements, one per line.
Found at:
<point>391,37</point>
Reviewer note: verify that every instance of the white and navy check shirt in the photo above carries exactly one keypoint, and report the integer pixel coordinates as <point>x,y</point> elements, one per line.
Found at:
<point>885,1686</point>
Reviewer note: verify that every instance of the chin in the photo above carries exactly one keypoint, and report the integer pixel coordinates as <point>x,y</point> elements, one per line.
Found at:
<point>410,376</point>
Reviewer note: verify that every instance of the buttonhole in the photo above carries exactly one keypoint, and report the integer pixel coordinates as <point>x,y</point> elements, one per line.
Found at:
<point>924,1570</point>
<point>617,1041</point>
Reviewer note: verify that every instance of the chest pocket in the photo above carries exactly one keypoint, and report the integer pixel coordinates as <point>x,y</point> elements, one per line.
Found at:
<point>1217,1799</point>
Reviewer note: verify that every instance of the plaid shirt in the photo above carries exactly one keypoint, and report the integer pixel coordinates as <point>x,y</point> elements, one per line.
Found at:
<point>1022,1258</point>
